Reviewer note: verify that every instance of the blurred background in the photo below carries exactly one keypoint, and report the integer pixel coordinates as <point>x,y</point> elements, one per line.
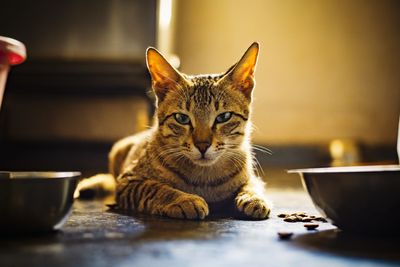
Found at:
<point>328,81</point>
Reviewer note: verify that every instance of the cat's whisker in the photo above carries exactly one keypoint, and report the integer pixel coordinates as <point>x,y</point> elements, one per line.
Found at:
<point>233,161</point>
<point>163,154</point>
<point>181,157</point>
<point>262,149</point>
<point>234,158</point>
<point>257,165</point>
<point>169,152</point>
<point>254,128</point>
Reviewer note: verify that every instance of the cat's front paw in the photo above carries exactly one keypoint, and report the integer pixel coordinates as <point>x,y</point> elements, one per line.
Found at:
<point>252,206</point>
<point>187,207</point>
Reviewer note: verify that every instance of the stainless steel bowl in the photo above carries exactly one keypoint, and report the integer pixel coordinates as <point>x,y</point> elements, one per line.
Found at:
<point>364,199</point>
<point>35,201</point>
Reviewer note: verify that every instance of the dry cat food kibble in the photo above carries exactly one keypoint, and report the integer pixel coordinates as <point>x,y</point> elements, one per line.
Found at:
<point>300,217</point>
<point>290,219</point>
<point>311,226</point>
<point>285,235</point>
<point>321,219</point>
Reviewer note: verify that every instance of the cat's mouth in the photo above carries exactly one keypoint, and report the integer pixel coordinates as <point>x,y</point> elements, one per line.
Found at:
<point>204,161</point>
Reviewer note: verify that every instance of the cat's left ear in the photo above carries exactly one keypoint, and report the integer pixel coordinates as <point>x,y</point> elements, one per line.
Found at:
<point>242,73</point>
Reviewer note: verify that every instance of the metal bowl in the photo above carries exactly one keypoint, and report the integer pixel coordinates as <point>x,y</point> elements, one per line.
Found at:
<point>35,201</point>
<point>361,199</point>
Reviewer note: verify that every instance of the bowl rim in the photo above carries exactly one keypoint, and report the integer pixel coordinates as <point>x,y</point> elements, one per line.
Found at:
<point>349,169</point>
<point>39,175</point>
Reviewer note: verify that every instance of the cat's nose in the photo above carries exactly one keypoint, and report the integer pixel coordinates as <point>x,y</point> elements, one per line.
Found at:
<point>202,146</point>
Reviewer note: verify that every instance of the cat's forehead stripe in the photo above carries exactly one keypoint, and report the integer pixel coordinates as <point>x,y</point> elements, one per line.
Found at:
<point>202,94</point>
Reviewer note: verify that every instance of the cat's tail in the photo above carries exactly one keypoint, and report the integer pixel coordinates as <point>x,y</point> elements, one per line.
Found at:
<point>99,184</point>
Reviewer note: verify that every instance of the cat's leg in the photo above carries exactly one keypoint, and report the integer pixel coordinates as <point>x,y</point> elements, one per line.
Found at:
<point>153,197</point>
<point>251,203</point>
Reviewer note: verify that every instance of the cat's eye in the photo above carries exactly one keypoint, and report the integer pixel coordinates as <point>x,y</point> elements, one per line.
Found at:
<point>182,118</point>
<point>223,117</point>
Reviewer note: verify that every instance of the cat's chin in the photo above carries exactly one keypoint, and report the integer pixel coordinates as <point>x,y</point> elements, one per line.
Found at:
<point>204,162</point>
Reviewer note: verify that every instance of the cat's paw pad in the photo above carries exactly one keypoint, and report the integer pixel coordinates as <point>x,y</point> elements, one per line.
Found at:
<point>252,206</point>
<point>187,207</point>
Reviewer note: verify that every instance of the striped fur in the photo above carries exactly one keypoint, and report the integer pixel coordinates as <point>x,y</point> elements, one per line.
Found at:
<point>162,171</point>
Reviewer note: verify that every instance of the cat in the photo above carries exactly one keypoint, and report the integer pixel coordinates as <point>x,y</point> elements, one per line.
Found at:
<point>198,152</point>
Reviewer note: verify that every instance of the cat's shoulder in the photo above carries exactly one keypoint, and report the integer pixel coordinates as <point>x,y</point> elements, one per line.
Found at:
<point>133,140</point>
<point>125,148</point>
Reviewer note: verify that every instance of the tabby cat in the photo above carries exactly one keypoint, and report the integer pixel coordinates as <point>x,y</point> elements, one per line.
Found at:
<point>197,154</point>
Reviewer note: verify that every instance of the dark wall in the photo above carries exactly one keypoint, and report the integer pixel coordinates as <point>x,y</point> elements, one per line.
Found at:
<point>76,29</point>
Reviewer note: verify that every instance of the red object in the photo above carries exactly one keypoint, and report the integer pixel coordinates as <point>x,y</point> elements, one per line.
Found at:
<point>12,52</point>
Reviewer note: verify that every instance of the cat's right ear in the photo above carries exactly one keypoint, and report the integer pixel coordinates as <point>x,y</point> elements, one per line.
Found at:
<point>164,77</point>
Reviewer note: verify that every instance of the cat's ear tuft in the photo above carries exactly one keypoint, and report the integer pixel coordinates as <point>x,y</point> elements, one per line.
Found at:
<point>164,77</point>
<point>242,74</point>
